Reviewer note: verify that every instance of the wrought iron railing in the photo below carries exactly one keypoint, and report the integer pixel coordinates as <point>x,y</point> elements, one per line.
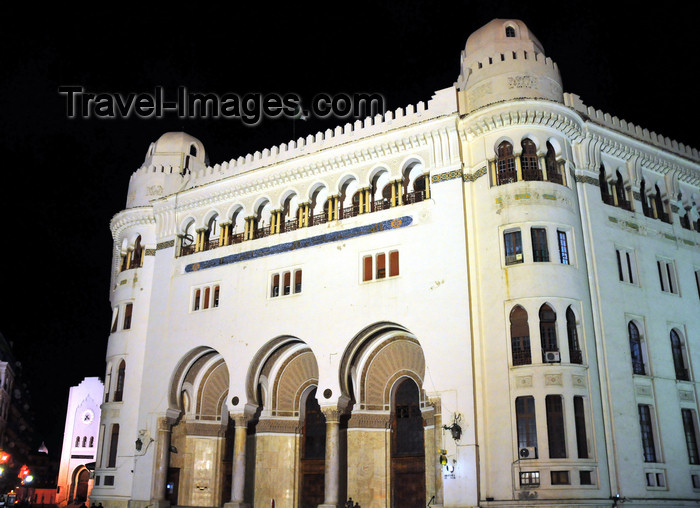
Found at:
<point>314,220</point>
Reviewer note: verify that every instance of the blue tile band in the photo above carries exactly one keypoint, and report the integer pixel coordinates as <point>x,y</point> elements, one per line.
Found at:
<point>378,227</point>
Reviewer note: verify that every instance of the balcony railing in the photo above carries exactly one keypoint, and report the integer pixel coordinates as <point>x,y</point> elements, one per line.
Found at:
<point>314,220</point>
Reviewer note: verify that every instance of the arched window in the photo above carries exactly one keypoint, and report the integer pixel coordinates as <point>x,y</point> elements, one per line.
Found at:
<point>645,200</point>
<point>528,161</point>
<point>604,189</point>
<point>575,355</point>
<point>678,357</point>
<point>550,160</point>
<point>621,193</point>
<point>137,254</point>
<point>520,337</point>
<point>193,150</point>
<point>77,441</point>
<point>505,164</point>
<point>113,445</point>
<point>92,441</point>
<point>119,388</point>
<point>660,208</point>
<point>510,31</point>
<point>636,349</point>
<point>84,441</point>
<point>548,335</point>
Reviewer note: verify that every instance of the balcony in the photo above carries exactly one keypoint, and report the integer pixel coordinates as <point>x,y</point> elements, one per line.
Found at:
<point>314,220</point>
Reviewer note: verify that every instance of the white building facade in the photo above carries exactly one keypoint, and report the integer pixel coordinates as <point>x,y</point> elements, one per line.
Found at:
<point>492,299</point>
<point>79,442</point>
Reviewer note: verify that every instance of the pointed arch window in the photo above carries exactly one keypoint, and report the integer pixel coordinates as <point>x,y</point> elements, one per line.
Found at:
<point>678,357</point>
<point>510,31</point>
<point>528,161</point>
<point>636,349</point>
<point>548,335</point>
<point>553,171</point>
<point>520,337</point>
<point>119,388</point>
<point>660,206</point>
<point>645,199</point>
<point>505,164</point>
<point>575,355</point>
<point>604,187</point>
<point>621,192</point>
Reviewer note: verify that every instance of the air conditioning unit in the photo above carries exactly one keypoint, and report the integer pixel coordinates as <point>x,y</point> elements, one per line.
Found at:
<point>552,357</point>
<point>529,452</point>
<point>516,258</point>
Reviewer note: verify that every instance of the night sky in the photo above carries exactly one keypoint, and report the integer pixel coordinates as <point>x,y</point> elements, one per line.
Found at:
<point>64,179</point>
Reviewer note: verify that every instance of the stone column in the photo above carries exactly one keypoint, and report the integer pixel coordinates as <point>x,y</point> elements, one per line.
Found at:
<point>332,471</point>
<point>160,478</point>
<point>239,445</point>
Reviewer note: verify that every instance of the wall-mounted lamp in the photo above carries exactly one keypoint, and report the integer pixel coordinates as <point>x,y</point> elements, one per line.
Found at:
<point>139,444</point>
<point>455,428</point>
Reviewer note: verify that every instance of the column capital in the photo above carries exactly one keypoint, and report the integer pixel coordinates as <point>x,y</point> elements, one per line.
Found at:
<point>240,419</point>
<point>332,414</point>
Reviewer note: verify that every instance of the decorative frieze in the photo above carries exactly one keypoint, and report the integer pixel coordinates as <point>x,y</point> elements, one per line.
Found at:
<point>278,426</point>
<point>369,420</point>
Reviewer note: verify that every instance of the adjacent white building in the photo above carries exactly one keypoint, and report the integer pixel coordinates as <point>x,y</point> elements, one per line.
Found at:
<point>490,299</point>
<point>79,442</point>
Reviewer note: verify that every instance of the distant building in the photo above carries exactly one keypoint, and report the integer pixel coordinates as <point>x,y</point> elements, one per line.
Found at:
<point>492,299</point>
<point>79,442</point>
<point>7,375</point>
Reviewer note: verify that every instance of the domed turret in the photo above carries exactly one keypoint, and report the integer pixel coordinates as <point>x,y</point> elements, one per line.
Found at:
<point>504,61</point>
<point>168,161</point>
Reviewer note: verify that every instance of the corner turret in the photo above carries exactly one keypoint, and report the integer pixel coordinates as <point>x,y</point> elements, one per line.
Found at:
<point>504,61</point>
<point>165,170</point>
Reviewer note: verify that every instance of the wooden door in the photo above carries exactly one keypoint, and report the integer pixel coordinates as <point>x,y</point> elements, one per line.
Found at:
<point>407,451</point>
<point>313,454</point>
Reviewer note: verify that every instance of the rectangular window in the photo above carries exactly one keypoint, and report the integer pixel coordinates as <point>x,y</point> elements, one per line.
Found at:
<point>563,247</point>
<point>667,276</point>
<point>626,265</point>
<point>115,319</point>
<point>580,420</point>
<point>513,244</point>
<point>697,281</point>
<point>297,281</point>
<point>287,283</point>
<point>197,299</point>
<point>215,303</point>
<point>540,252</point>
<point>393,263</point>
<point>529,478</point>
<point>585,478</point>
<point>645,424</point>
<point>275,290</point>
<point>127,315</point>
<point>527,427</point>
<point>555,427</point>
<point>281,283</point>
<point>560,477</point>
<point>367,268</point>
<point>207,295</point>
<point>374,267</point>
<point>113,445</point>
<point>696,481</point>
<point>109,481</point>
<point>381,266</point>
<point>691,439</point>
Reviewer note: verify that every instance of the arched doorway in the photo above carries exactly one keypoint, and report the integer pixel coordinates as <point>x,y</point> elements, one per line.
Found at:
<point>199,461</point>
<point>407,447</point>
<point>81,479</point>
<point>313,453</point>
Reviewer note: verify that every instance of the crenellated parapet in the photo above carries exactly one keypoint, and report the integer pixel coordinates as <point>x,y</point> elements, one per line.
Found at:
<point>612,122</point>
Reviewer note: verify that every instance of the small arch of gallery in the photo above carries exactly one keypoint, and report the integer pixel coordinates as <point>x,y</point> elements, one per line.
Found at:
<point>530,158</point>
<point>290,425</point>
<point>649,193</point>
<point>295,208</point>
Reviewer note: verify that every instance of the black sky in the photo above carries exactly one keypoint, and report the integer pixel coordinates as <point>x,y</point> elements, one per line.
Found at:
<point>65,178</point>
